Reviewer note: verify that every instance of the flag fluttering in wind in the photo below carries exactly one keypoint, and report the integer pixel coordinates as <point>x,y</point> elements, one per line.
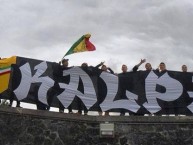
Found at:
<point>81,45</point>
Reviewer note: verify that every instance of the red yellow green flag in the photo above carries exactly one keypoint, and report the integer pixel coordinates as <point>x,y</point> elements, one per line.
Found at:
<point>81,45</point>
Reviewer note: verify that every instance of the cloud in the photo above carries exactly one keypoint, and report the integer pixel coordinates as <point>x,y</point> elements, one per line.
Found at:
<point>123,31</point>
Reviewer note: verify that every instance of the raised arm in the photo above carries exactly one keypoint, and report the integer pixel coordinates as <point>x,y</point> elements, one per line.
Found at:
<point>135,68</point>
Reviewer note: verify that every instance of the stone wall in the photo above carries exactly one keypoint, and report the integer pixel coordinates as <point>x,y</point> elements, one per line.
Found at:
<point>35,127</point>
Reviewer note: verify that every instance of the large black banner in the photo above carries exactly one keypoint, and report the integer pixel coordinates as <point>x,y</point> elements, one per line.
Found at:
<point>142,92</point>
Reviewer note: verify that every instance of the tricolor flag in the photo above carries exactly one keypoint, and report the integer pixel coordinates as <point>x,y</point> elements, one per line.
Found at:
<point>5,70</point>
<point>83,44</point>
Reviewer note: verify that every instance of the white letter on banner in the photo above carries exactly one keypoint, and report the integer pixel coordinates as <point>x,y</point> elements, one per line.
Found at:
<point>27,79</point>
<point>173,88</point>
<point>67,96</point>
<point>190,107</point>
<point>112,87</point>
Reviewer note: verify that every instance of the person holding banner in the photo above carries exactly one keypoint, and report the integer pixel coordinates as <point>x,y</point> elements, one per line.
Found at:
<point>184,68</point>
<point>58,69</point>
<point>80,104</point>
<point>124,73</point>
<point>161,70</point>
<point>64,66</point>
<point>148,67</point>
<point>109,70</point>
<point>93,71</point>
<point>102,94</point>
<point>135,68</point>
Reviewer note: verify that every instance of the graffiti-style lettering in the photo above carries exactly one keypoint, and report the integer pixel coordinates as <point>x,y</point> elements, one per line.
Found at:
<point>112,87</point>
<point>71,89</point>
<point>27,79</point>
<point>173,91</point>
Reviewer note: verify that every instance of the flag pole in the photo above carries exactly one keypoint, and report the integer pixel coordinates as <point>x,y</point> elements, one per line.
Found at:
<point>63,57</point>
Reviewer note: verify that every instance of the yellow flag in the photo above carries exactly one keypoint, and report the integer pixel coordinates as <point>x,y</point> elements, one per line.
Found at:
<point>5,70</point>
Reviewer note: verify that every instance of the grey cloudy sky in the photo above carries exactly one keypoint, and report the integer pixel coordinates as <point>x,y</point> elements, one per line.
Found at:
<point>123,31</point>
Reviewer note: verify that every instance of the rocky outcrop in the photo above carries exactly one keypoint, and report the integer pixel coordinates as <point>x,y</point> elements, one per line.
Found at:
<point>20,126</point>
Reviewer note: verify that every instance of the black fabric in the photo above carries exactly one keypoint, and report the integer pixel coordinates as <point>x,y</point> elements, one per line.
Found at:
<point>134,82</point>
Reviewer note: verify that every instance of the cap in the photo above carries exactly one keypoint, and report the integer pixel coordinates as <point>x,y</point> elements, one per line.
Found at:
<point>63,60</point>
